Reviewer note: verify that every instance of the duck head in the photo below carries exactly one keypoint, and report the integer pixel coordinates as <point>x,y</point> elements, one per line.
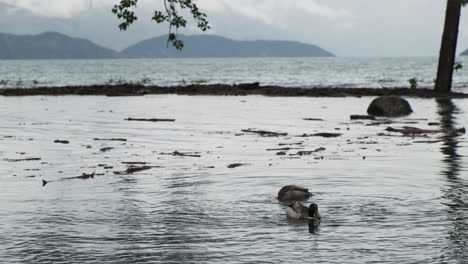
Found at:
<point>313,212</point>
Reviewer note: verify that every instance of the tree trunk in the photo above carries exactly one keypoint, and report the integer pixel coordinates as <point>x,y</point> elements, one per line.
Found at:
<point>448,48</point>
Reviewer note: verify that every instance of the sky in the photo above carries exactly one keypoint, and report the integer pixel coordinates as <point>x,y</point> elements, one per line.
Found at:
<point>344,27</point>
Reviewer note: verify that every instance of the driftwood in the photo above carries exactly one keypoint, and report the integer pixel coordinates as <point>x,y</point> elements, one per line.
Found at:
<point>133,169</point>
<point>106,149</point>
<point>308,152</point>
<point>182,154</point>
<point>264,133</point>
<point>235,165</point>
<point>406,130</point>
<point>61,141</point>
<point>151,119</point>
<point>111,139</point>
<point>312,119</point>
<point>364,117</point>
<point>18,160</point>
<point>325,135</point>
<point>83,176</point>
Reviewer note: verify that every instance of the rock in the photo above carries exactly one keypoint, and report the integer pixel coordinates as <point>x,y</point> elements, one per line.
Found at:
<point>391,106</point>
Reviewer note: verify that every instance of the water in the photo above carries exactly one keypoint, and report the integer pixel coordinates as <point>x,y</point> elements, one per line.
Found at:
<point>290,72</point>
<point>383,199</point>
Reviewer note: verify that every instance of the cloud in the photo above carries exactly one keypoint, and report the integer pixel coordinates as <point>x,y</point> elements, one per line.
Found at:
<point>51,8</point>
<point>274,12</point>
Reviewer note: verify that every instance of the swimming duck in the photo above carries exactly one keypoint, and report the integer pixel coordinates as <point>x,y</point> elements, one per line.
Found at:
<point>293,193</point>
<point>298,211</point>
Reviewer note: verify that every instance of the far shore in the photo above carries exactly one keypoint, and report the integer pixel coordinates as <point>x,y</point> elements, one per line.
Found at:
<point>225,90</point>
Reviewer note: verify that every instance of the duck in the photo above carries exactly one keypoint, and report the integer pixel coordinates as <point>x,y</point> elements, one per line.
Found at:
<point>293,193</point>
<point>298,211</point>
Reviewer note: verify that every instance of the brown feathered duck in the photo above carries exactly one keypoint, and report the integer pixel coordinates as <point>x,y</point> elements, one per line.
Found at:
<point>293,193</point>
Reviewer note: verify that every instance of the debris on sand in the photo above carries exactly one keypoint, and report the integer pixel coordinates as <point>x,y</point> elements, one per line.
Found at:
<point>182,154</point>
<point>150,119</point>
<point>281,149</point>
<point>325,135</point>
<point>362,117</point>
<point>134,162</point>
<point>308,152</point>
<point>312,119</point>
<point>235,165</point>
<point>111,139</point>
<point>83,176</point>
<point>18,160</point>
<point>106,149</point>
<point>388,122</point>
<point>428,141</point>
<point>291,144</point>
<point>264,133</point>
<point>406,130</point>
<point>133,169</point>
<point>61,141</point>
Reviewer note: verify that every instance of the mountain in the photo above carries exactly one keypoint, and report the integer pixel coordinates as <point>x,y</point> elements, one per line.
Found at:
<point>465,53</point>
<point>210,46</point>
<point>51,45</point>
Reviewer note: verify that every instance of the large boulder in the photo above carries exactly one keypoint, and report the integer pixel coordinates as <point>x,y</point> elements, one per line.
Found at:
<point>390,106</point>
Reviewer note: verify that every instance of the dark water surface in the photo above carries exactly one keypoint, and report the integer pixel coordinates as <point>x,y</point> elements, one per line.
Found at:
<point>383,198</point>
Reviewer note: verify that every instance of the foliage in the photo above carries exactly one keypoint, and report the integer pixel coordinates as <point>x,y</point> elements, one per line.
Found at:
<point>413,83</point>
<point>19,82</point>
<point>4,83</point>
<point>458,66</point>
<point>200,81</point>
<point>121,81</point>
<point>171,14</point>
<point>194,82</point>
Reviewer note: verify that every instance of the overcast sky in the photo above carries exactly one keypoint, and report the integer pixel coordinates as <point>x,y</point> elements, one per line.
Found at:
<point>344,27</point>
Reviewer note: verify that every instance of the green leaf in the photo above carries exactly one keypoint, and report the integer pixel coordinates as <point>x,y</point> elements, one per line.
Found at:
<point>170,15</point>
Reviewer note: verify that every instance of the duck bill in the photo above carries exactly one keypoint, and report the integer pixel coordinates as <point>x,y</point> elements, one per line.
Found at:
<point>317,215</point>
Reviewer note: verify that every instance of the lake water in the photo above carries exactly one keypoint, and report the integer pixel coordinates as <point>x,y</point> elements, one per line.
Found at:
<point>294,72</point>
<point>384,198</point>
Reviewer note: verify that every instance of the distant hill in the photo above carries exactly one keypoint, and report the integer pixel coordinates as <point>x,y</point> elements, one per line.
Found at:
<point>209,46</point>
<point>51,45</point>
<point>465,53</point>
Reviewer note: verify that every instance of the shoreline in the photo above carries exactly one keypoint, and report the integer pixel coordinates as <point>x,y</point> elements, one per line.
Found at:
<point>224,90</point>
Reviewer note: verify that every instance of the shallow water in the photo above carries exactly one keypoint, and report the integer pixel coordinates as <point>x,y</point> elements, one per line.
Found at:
<point>383,199</point>
<point>290,72</point>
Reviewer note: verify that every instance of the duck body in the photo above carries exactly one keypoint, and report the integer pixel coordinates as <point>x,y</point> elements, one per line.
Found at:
<point>293,193</point>
<point>298,211</point>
